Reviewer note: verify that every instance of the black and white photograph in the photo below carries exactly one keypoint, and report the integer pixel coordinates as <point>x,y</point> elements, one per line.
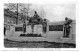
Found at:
<point>33,25</point>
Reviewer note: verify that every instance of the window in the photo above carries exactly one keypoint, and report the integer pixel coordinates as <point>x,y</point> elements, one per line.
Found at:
<point>18,28</point>
<point>55,27</point>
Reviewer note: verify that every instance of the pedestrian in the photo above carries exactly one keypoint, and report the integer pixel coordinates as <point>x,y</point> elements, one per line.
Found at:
<point>4,31</point>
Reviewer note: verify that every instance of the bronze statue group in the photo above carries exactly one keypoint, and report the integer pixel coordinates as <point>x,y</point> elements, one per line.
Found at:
<point>67,27</point>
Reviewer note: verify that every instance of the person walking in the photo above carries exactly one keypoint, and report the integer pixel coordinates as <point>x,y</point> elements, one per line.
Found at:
<point>4,31</point>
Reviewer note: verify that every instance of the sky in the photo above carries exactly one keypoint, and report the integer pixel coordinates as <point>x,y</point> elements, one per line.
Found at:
<point>57,12</point>
<point>54,12</point>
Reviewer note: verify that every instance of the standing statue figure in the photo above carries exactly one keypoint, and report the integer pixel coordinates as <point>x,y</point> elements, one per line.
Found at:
<point>24,27</point>
<point>45,26</point>
<point>67,26</point>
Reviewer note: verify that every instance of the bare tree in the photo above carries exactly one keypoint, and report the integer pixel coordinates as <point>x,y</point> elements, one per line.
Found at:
<point>11,6</point>
<point>19,8</point>
<point>43,13</point>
